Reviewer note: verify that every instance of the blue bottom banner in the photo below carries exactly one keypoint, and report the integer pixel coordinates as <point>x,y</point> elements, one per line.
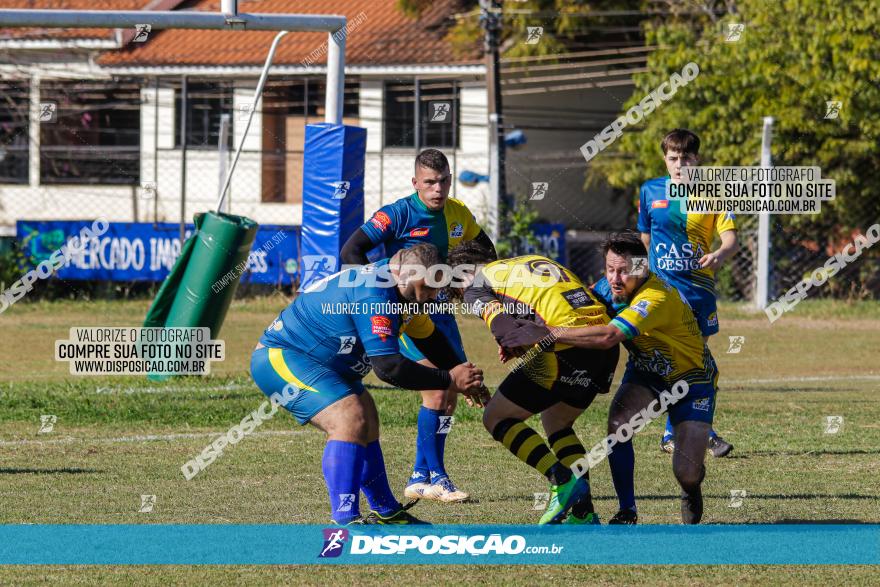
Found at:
<point>143,544</point>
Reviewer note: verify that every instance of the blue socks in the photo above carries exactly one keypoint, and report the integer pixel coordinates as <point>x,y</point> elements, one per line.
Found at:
<point>430,448</point>
<point>623,461</point>
<point>343,466</point>
<point>374,481</point>
<point>670,434</point>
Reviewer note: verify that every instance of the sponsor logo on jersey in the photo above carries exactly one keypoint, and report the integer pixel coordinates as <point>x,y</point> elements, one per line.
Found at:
<point>681,257</point>
<point>346,345</point>
<point>577,298</point>
<point>277,325</point>
<point>642,308</point>
<point>712,320</point>
<point>456,230</point>
<point>334,539</point>
<point>656,363</point>
<point>417,232</point>
<point>703,404</point>
<point>660,204</point>
<point>381,326</point>
<point>381,220</point>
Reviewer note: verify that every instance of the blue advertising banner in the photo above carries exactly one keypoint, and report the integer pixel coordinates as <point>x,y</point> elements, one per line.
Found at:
<point>143,251</point>
<point>799,544</point>
<point>551,242</point>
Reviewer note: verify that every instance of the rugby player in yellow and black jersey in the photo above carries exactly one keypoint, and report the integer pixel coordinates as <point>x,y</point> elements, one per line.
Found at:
<point>517,297</point>
<point>666,351</point>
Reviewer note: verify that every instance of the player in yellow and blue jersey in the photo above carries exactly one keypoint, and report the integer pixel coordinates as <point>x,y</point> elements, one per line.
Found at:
<point>665,346</point>
<point>679,246</point>
<point>427,216</point>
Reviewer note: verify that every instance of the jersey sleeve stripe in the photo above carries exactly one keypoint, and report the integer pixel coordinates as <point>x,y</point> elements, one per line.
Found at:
<point>625,327</point>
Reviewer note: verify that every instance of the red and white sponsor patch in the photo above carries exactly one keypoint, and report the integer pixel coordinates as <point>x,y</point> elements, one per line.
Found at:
<point>381,326</point>
<point>380,220</point>
<point>660,204</point>
<point>419,232</point>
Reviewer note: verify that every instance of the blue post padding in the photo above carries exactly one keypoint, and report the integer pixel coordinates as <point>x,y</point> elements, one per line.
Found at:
<point>333,194</point>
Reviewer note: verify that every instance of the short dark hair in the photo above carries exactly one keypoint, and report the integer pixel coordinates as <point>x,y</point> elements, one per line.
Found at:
<point>424,254</point>
<point>681,140</point>
<point>628,242</point>
<point>470,253</point>
<point>432,159</point>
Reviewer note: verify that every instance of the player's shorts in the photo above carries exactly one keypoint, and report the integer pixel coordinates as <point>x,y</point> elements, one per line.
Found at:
<point>579,375</point>
<point>446,324</point>
<point>705,308</point>
<point>698,405</point>
<point>315,386</point>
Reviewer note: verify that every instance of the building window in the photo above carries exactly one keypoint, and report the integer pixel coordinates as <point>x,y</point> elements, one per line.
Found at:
<point>435,123</point>
<point>90,132</point>
<point>205,104</point>
<point>287,106</point>
<point>14,115</point>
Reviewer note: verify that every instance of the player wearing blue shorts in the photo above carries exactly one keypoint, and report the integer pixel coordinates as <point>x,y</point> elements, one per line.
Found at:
<point>315,354</point>
<point>427,216</point>
<point>665,347</point>
<point>679,246</point>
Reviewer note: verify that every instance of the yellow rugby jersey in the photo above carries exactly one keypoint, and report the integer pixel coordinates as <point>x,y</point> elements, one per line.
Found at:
<point>416,325</point>
<point>537,288</point>
<point>663,336</point>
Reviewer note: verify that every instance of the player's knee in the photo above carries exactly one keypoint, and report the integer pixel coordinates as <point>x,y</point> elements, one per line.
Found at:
<point>434,399</point>
<point>688,475</point>
<point>615,421</point>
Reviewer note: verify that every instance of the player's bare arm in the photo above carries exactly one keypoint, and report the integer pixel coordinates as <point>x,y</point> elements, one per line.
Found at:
<point>729,246</point>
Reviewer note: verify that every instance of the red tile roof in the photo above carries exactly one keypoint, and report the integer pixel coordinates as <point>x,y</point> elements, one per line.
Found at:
<point>383,36</point>
<point>53,33</point>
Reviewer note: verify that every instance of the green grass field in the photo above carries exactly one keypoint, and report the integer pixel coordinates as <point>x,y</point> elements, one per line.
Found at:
<point>118,438</point>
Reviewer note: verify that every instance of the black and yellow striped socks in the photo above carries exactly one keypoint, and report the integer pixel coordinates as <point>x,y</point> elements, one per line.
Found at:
<point>528,446</point>
<point>568,448</point>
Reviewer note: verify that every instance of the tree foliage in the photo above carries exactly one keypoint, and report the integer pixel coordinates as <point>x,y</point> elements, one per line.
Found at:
<point>562,21</point>
<point>792,57</point>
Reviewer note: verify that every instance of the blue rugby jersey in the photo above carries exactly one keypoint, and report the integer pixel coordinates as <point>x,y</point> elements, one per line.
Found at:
<point>340,325</point>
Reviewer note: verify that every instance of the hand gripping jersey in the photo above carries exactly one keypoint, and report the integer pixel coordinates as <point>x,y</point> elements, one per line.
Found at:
<point>343,325</point>
<point>679,240</point>
<point>408,222</point>
<point>662,336</point>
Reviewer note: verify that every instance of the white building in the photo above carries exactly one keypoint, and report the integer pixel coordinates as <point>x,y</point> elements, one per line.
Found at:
<point>90,124</point>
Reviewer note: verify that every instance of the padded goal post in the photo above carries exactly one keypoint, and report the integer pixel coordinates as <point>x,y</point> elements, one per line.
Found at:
<point>334,158</point>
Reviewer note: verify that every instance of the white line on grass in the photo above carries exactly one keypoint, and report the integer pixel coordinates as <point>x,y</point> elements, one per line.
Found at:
<point>808,379</point>
<point>144,438</point>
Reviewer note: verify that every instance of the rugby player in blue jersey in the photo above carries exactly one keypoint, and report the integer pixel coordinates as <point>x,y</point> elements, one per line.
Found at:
<point>679,246</point>
<point>322,345</point>
<point>427,216</point>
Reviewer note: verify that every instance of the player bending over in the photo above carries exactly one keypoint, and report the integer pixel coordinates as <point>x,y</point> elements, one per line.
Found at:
<point>517,297</point>
<point>325,355</point>
<point>665,346</point>
<point>428,215</point>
